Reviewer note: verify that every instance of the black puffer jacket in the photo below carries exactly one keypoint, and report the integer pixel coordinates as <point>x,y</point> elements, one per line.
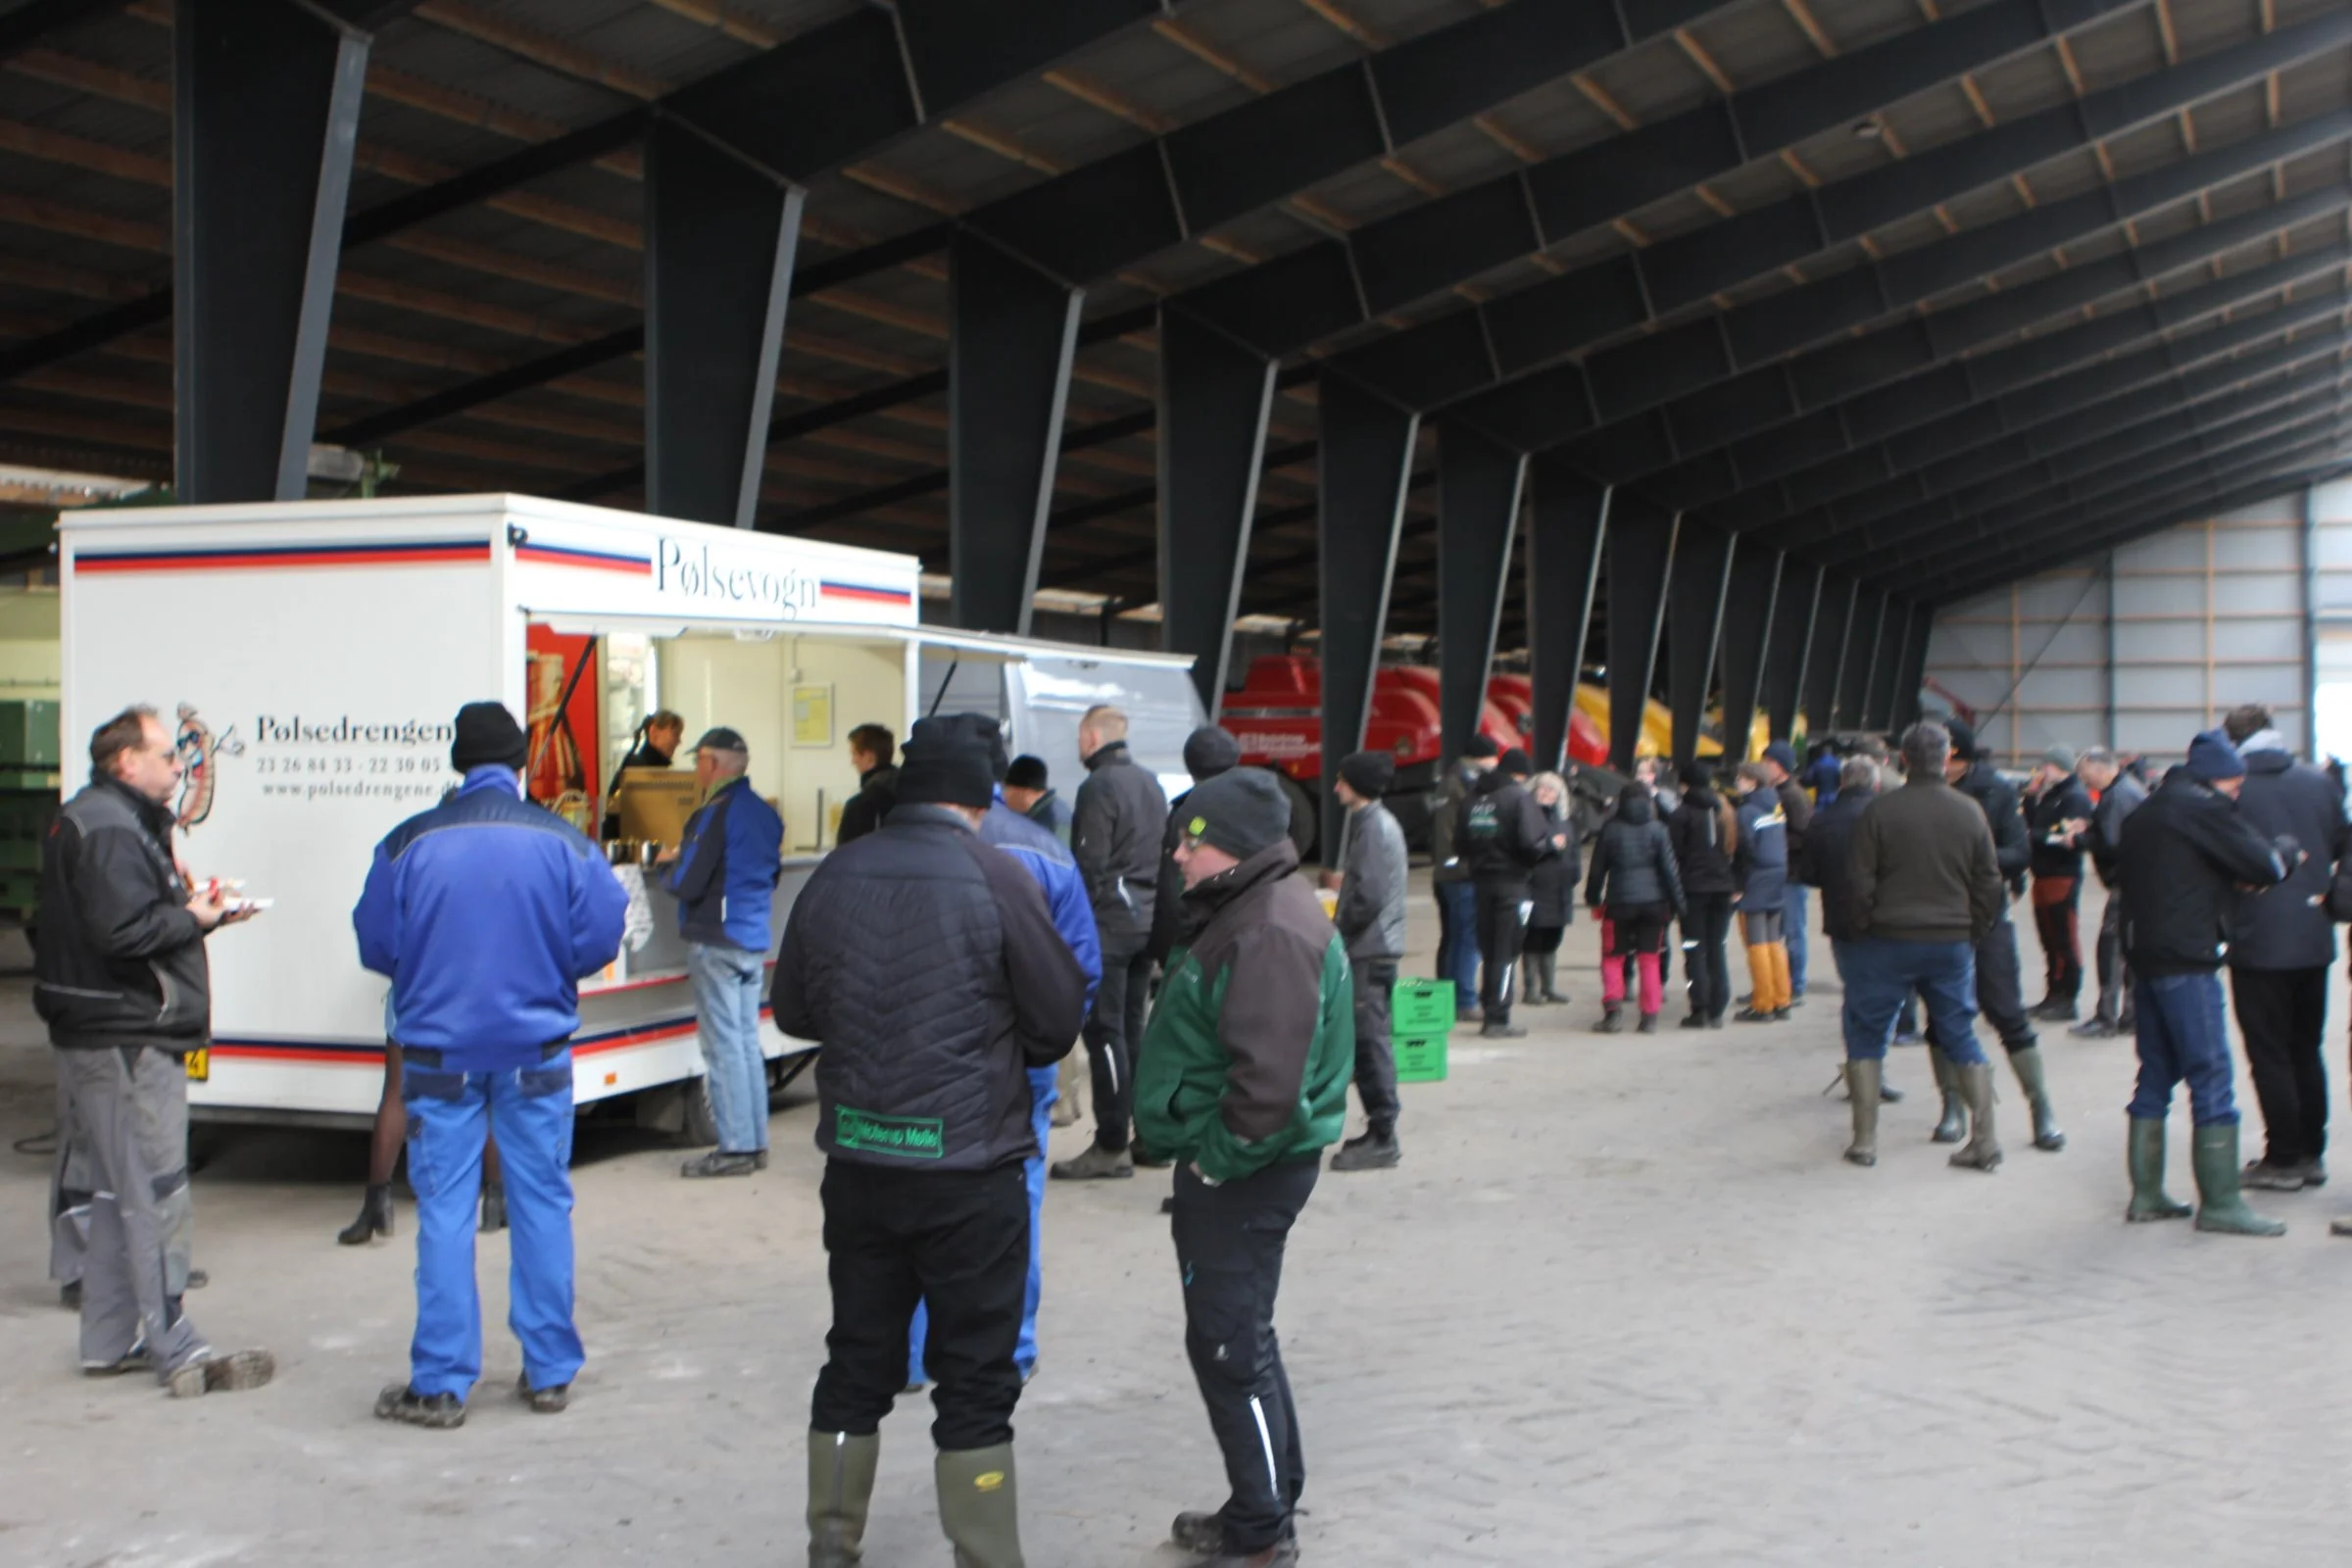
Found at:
<point>122,959</point>
<point>2185,853</point>
<point>1115,829</point>
<point>927,965</point>
<point>2283,927</point>
<point>1633,860</point>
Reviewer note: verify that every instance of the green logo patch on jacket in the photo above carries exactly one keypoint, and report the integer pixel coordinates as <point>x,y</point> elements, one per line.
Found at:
<point>907,1136</point>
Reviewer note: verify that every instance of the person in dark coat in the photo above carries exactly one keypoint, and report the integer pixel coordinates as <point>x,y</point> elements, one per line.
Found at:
<point>1760,866</point>
<point>2187,855</point>
<point>1504,836</point>
<point>1450,877</point>
<point>2282,943</point>
<point>1706,833</point>
<point>927,964</point>
<point>2059,801</point>
<point>1208,752</point>
<point>1028,792</point>
<point>871,748</point>
<point>2120,794</point>
<point>1553,906</point>
<point>1824,861</point>
<point>1636,889</point>
<point>1796,817</point>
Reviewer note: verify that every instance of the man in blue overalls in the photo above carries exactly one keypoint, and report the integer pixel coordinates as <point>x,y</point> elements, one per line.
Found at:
<point>1047,859</point>
<point>486,911</point>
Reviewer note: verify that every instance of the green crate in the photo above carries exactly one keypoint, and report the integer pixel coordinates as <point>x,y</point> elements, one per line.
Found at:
<point>1420,1009</point>
<point>1421,1062</point>
<point>28,734</point>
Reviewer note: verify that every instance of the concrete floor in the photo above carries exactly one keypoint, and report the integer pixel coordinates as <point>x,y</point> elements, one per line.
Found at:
<point>1623,1305</point>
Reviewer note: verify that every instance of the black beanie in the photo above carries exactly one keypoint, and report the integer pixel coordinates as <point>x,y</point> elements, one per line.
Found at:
<point>946,762</point>
<point>1964,739</point>
<point>984,732</point>
<point>1514,762</point>
<point>487,736</point>
<point>1482,746</point>
<point>1368,774</point>
<point>1241,812</point>
<point>1210,751</point>
<point>1026,773</point>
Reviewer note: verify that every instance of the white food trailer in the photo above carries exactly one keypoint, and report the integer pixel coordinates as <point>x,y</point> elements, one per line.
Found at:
<point>313,655</point>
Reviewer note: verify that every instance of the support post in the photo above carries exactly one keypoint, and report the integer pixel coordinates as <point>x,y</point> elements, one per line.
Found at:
<point>264,116</point>
<point>1877,700</point>
<point>1568,517</point>
<point>1479,483</point>
<point>1795,618</point>
<point>1215,399</point>
<point>1011,332</point>
<point>1363,460</point>
<point>720,234</point>
<point>1702,575</point>
<point>1914,672</point>
<point>1861,642</point>
<point>1640,552</point>
<point>1748,611</point>
<point>1825,662</point>
<point>2310,559</point>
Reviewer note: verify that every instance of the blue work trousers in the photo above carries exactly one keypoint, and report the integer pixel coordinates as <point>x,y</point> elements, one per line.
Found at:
<point>450,1114</point>
<point>1792,913</point>
<point>1044,1091</point>
<point>726,1002</point>
<point>1458,959</point>
<point>1879,975</point>
<point>2181,1035</point>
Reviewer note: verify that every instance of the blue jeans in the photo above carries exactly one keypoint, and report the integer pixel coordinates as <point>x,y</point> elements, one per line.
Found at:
<point>1459,963</point>
<point>1792,912</point>
<point>1881,973</point>
<point>2181,1036</point>
<point>1044,1091</point>
<point>450,1113</point>
<point>726,997</point>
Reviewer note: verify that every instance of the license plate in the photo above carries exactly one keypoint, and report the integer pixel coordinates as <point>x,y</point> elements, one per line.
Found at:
<point>200,1066</point>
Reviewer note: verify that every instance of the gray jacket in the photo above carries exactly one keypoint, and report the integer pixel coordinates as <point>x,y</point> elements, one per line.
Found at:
<point>1371,912</point>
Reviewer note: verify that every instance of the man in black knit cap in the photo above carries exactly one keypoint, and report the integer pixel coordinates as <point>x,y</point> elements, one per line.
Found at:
<point>1501,832</point>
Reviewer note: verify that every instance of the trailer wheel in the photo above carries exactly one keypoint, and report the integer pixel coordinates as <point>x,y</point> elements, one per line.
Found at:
<point>1306,816</point>
<point>701,1122</point>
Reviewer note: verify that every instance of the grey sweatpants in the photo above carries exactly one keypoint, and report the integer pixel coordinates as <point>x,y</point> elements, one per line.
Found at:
<point>70,1184</point>
<point>131,1107</point>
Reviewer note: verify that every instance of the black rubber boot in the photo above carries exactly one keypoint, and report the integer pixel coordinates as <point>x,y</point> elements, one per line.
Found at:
<point>841,1489</point>
<point>375,1218</point>
<point>1547,965</point>
<point>1530,982</point>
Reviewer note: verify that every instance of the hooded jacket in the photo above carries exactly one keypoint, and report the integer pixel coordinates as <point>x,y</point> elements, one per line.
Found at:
<point>2283,927</point>
<point>1371,908</point>
<point>928,966</point>
<point>1252,1039</point>
<point>1633,860</point>
<point>2184,854</point>
<point>1115,833</point>
<point>1704,832</point>
<point>119,960</point>
<point>1501,832</point>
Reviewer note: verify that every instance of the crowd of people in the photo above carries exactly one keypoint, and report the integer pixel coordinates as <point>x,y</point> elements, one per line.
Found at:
<point>970,928</point>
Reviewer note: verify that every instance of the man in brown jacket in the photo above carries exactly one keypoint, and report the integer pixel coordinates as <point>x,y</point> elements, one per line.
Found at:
<point>1922,886</point>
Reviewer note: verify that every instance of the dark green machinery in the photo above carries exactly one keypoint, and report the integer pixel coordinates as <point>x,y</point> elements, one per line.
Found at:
<point>29,798</point>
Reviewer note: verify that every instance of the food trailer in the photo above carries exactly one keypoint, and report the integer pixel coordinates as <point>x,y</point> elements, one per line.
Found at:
<point>310,657</point>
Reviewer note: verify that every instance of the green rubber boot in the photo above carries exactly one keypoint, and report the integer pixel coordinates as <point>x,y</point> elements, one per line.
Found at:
<point>1862,1079</point>
<point>841,1486</point>
<point>1982,1151</point>
<point>979,1506</point>
<point>2213,1153</point>
<point>2031,1077</point>
<point>2144,1157</point>
<point>1953,1127</point>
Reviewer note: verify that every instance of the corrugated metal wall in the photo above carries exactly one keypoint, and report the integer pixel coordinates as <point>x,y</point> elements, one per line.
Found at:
<point>2142,649</point>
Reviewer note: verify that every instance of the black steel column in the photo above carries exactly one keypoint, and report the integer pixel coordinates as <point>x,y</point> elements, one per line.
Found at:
<point>1747,622</point>
<point>1825,661</point>
<point>264,115</point>
<point>1010,333</point>
<point>1362,462</point>
<point>1861,646</point>
<point>719,237</point>
<point>1215,399</point>
<point>1478,510</point>
<point>1878,706</point>
<point>1702,575</point>
<point>1640,549</point>
<point>1911,675</point>
<point>1795,616</point>
<point>1568,517</point>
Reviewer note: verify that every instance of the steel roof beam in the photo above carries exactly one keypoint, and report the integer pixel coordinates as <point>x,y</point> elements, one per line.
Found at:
<point>1825,657</point>
<point>1640,560</point>
<point>29,24</point>
<point>1567,531</point>
<point>1478,489</point>
<point>1747,619</point>
<point>1795,616</point>
<point>1365,456</point>
<point>1701,577</point>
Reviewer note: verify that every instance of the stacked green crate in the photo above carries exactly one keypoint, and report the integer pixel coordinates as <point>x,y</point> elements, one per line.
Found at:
<point>1420,1013</point>
<point>29,784</point>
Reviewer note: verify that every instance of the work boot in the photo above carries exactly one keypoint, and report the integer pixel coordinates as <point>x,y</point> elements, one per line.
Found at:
<point>1982,1151</point>
<point>1531,984</point>
<point>1548,966</point>
<point>717,1163</point>
<point>1649,1024</point>
<point>2027,1066</point>
<point>1609,1023</point>
<point>233,1373</point>
<point>494,1207</point>
<point>401,1402</point>
<point>2093,1029</point>
<point>979,1506</point>
<point>554,1399</point>
<point>2315,1171</point>
<point>2263,1176</point>
<point>2143,1159</point>
<point>1095,1164</point>
<point>1376,1150</point>
<point>1862,1080</point>
<point>841,1487</point>
<point>1501,1029</point>
<point>2213,1156</point>
<point>375,1217</point>
<point>1953,1126</point>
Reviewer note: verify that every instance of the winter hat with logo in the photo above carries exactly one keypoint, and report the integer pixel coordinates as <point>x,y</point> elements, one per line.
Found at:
<point>1241,811</point>
<point>1210,751</point>
<point>488,737</point>
<point>946,764</point>
<point>2211,757</point>
<point>1368,774</point>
